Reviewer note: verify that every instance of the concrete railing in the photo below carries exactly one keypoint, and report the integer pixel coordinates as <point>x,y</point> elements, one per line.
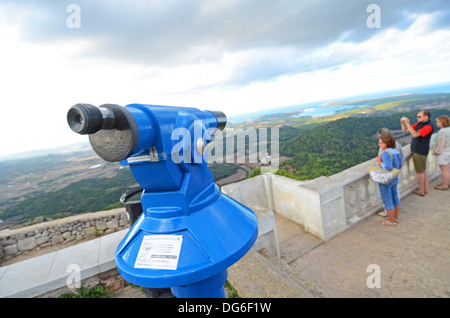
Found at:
<point>326,206</point>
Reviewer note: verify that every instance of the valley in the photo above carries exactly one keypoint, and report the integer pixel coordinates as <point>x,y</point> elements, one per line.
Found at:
<point>75,180</point>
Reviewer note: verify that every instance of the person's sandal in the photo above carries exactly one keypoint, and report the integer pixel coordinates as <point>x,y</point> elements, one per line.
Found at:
<point>388,223</point>
<point>395,220</point>
<point>440,187</point>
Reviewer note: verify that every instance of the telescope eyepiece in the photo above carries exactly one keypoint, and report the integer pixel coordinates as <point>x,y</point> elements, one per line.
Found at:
<point>85,119</point>
<point>112,130</point>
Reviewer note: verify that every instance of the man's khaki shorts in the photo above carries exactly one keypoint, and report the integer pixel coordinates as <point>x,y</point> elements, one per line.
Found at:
<point>420,162</point>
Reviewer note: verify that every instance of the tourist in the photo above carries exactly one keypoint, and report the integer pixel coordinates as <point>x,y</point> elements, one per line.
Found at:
<point>398,146</point>
<point>389,159</point>
<point>441,149</point>
<point>420,145</point>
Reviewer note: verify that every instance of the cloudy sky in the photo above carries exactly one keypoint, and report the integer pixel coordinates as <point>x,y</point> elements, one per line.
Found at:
<point>237,56</point>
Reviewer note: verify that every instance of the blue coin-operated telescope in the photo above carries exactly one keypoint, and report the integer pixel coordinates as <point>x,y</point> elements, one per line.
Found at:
<point>189,232</point>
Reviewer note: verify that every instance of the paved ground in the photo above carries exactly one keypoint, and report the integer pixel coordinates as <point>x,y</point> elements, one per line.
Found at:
<point>413,258</point>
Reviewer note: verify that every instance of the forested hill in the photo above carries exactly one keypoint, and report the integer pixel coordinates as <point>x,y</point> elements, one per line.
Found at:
<point>53,186</point>
<point>337,145</point>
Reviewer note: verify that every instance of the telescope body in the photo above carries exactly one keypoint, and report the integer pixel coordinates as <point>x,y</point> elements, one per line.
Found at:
<point>189,232</point>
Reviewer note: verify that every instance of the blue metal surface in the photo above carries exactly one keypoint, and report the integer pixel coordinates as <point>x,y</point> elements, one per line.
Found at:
<point>180,198</point>
<point>211,287</point>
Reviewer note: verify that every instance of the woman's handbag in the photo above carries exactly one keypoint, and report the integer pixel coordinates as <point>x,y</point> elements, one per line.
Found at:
<point>382,176</point>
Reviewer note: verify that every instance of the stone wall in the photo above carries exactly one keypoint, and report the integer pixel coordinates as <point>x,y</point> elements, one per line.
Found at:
<point>61,232</point>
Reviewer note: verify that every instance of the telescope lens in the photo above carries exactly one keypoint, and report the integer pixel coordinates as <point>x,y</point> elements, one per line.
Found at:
<point>78,119</point>
<point>84,119</point>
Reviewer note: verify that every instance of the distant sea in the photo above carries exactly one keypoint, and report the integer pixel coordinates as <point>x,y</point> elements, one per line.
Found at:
<point>313,109</point>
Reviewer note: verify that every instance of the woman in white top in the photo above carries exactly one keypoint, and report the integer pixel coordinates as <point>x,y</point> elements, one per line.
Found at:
<point>441,149</point>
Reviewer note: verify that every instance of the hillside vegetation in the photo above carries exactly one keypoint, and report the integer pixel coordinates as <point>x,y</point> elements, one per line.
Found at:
<point>87,195</point>
<point>101,191</point>
<point>337,145</point>
<point>379,106</point>
<point>55,186</point>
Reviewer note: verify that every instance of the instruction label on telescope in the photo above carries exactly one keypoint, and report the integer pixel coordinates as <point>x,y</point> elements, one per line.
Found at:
<point>159,252</point>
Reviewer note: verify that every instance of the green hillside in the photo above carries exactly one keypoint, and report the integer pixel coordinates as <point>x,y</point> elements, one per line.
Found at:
<point>379,106</point>
<point>338,145</point>
<point>60,185</point>
<point>87,195</point>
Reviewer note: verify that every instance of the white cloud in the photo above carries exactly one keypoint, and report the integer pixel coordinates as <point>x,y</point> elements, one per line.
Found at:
<point>40,80</point>
<point>393,58</point>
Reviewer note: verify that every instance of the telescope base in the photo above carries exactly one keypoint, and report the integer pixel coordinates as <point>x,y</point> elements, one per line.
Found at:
<point>208,288</point>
